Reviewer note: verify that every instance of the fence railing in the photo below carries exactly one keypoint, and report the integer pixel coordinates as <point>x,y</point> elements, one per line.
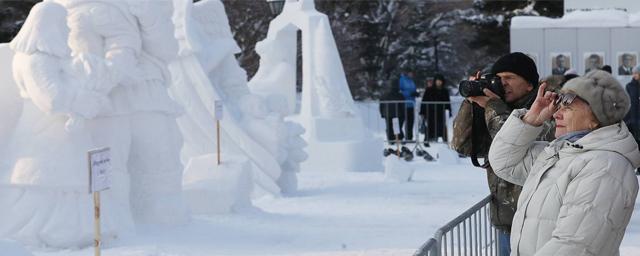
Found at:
<point>471,233</point>
<point>437,122</point>
<point>426,121</point>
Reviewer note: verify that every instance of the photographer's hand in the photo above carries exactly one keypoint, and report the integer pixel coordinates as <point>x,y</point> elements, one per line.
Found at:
<point>542,108</point>
<point>482,100</point>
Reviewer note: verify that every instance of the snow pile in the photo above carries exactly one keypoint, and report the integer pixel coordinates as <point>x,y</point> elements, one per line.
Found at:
<point>397,169</point>
<point>597,18</point>
<point>11,248</point>
<point>214,189</point>
<point>445,154</point>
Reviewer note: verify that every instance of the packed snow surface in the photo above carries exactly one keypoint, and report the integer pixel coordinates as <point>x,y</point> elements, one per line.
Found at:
<point>333,213</point>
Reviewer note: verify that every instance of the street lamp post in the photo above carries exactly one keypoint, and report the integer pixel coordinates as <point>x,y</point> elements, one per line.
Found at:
<point>276,6</point>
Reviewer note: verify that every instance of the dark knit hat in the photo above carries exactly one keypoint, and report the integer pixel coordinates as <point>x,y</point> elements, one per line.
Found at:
<point>519,64</point>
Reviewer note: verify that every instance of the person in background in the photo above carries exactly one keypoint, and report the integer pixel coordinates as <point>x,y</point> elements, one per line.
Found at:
<point>435,101</point>
<point>579,191</point>
<point>570,74</point>
<point>632,119</point>
<point>519,77</point>
<point>393,106</point>
<point>554,82</point>
<point>409,91</point>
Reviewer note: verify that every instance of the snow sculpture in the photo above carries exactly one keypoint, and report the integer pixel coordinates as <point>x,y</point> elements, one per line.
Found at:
<point>328,113</point>
<point>9,98</point>
<point>110,87</point>
<point>214,74</point>
<point>43,180</point>
<point>136,38</point>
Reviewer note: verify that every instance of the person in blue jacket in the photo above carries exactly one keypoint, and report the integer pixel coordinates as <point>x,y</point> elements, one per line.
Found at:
<point>408,90</point>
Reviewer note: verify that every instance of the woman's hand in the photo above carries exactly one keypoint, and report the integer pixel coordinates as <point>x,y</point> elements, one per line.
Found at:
<point>542,108</point>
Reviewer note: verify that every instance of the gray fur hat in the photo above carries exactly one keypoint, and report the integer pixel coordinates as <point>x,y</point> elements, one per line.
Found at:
<point>636,69</point>
<point>608,100</point>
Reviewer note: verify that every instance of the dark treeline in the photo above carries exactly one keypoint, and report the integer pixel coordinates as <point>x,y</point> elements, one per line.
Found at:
<point>379,38</point>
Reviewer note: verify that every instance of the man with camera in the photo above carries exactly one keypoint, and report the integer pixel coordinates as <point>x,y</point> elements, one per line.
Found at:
<point>490,99</point>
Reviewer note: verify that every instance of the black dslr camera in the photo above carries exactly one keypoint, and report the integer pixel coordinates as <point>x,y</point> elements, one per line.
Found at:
<point>474,88</point>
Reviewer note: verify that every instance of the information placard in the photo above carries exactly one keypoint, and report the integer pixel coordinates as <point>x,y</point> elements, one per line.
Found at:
<point>99,169</point>
<point>218,109</point>
<point>396,126</point>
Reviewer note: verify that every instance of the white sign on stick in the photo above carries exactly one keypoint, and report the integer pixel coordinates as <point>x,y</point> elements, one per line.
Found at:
<point>218,109</point>
<point>99,170</point>
<point>396,125</point>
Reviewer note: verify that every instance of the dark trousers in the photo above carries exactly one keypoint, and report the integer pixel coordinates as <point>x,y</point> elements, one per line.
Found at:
<point>408,127</point>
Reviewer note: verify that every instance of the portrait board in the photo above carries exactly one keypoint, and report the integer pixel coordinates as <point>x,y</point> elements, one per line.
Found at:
<point>593,61</point>
<point>560,62</point>
<point>626,62</point>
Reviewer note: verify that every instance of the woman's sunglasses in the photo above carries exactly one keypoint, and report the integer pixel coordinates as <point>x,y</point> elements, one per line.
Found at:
<point>564,99</point>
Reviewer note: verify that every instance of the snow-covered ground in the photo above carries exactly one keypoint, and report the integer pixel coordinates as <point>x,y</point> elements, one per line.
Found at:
<point>334,213</point>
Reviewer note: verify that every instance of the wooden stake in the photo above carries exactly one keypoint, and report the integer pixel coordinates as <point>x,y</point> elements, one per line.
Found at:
<point>218,139</point>
<point>398,145</point>
<point>96,207</point>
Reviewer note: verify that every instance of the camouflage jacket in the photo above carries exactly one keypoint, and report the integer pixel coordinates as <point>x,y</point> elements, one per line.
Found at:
<point>504,194</point>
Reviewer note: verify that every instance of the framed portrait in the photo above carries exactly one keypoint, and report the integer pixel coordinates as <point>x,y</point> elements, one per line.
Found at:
<point>593,61</point>
<point>560,62</point>
<point>626,62</point>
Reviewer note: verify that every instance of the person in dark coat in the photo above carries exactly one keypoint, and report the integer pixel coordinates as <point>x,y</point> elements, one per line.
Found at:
<point>433,109</point>
<point>632,119</point>
<point>392,106</point>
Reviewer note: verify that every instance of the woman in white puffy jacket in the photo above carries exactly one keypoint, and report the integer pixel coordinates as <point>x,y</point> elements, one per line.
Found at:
<point>579,190</point>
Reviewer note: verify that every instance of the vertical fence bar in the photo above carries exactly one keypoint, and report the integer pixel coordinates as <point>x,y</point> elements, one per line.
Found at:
<point>481,235</point>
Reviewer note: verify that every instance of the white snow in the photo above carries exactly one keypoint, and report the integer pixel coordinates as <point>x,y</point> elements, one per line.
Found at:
<point>579,19</point>
<point>333,213</point>
<point>396,169</point>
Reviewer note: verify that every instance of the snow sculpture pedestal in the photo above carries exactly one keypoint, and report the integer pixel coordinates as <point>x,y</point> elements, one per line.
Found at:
<point>217,189</point>
<point>340,144</point>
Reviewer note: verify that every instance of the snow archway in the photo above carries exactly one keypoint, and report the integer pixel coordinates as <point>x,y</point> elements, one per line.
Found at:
<point>335,132</point>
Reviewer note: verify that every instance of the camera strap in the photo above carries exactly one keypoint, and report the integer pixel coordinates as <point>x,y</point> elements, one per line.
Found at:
<point>478,131</point>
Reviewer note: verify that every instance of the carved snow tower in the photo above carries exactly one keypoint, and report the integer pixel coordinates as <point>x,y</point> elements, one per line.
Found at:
<point>328,113</point>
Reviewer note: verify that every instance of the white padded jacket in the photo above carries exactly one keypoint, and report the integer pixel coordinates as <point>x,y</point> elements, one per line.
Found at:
<point>577,198</point>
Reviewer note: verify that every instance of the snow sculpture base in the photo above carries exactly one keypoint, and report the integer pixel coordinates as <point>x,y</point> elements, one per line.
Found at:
<point>339,144</point>
<point>217,189</point>
<point>397,169</point>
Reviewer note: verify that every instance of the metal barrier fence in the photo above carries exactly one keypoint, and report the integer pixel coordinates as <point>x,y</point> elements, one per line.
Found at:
<point>429,119</point>
<point>471,233</point>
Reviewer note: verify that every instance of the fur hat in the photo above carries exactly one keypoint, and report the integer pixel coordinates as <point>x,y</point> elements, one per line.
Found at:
<point>636,69</point>
<point>607,99</point>
<point>519,64</point>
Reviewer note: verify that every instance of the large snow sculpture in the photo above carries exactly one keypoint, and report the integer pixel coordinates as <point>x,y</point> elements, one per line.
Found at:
<point>209,66</point>
<point>115,93</point>
<point>136,37</point>
<point>335,132</point>
<point>43,182</point>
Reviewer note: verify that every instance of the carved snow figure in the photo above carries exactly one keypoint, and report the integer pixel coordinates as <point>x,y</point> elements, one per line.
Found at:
<point>137,39</point>
<point>213,73</point>
<point>43,180</point>
<point>327,113</point>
